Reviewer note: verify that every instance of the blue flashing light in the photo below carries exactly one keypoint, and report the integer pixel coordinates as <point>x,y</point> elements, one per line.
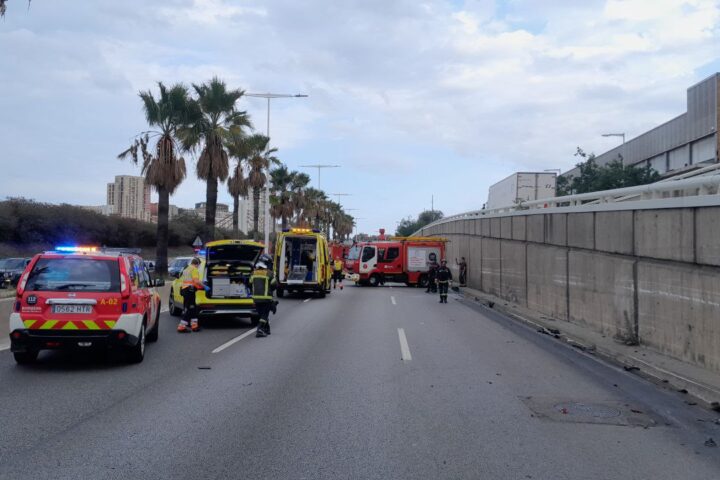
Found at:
<point>202,252</point>
<point>75,249</point>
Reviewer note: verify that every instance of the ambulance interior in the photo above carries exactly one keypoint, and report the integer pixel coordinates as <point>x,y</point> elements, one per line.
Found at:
<point>298,260</point>
<point>228,268</point>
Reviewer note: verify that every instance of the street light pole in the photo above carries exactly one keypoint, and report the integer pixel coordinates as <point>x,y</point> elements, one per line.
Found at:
<point>270,96</point>
<point>319,167</point>
<point>623,141</point>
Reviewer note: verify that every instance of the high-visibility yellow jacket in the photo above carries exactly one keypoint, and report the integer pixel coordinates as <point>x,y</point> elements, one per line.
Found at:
<point>262,282</point>
<point>191,278</point>
<point>338,265</point>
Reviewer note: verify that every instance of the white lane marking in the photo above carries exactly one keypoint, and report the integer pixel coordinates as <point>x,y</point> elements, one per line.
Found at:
<point>404,348</point>
<point>163,310</point>
<point>9,299</point>
<point>6,347</point>
<point>392,299</point>
<point>307,300</point>
<point>234,341</point>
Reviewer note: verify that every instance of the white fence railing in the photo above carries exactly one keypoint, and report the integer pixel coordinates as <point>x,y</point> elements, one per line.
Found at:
<point>702,182</point>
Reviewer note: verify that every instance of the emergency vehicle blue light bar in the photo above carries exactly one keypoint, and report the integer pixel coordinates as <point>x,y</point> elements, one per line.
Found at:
<point>75,249</point>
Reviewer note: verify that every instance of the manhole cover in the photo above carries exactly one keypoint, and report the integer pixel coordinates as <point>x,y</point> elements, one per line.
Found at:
<point>586,410</point>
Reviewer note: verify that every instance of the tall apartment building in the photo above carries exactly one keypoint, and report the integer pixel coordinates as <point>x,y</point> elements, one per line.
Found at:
<point>129,197</point>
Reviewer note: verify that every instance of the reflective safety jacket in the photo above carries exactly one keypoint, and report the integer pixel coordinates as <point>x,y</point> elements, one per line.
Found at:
<point>262,283</point>
<point>338,265</point>
<point>191,278</point>
<point>443,275</point>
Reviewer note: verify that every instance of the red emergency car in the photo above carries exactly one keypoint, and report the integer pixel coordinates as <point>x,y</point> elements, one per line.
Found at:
<point>83,298</point>
<point>400,259</point>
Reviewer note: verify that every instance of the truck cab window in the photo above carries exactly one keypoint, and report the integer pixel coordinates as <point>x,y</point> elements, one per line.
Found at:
<point>368,253</point>
<point>392,254</point>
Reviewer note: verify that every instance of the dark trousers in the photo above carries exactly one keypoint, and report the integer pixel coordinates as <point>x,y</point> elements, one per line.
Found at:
<point>463,277</point>
<point>432,286</point>
<point>443,288</point>
<point>189,306</point>
<point>337,277</point>
<point>263,309</point>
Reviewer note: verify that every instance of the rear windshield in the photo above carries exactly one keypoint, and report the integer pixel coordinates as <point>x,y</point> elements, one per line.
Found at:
<point>14,263</point>
<point>180,263</point>
<point>234,253</point>
<point>74,274</point>
<point>354,253</point>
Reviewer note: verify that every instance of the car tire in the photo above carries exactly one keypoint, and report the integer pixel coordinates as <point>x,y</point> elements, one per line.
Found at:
<point>374,281</point>
<point>152,335</point>
<point>423,281</point>
<point>174,311</point>
<point>136,353</point>
<point>26,358</point>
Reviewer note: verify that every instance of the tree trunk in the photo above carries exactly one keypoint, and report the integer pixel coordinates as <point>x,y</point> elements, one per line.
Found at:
<point>210,207</point>
<point>236,216</point>
<point>284,222</point>
<point>256,213</point>
<point>161,254</point>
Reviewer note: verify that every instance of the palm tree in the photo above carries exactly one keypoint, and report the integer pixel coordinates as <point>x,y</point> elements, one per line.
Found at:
<point>215,121</point>
<point>313,206</point>
<point>3,7</point>
<point>163,168</point>
<point>299,184</point>
<point>282,181</point>
<point>237,187</point>
<point>260,158</point>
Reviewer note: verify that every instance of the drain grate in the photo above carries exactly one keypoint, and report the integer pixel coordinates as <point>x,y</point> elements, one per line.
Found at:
<point>591,410</point>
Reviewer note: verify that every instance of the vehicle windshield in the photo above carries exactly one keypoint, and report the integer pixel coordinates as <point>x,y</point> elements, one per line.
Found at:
<point>74,274</point>
<point>13,263</point>
<point>180,263</point>
<point>354,253</point>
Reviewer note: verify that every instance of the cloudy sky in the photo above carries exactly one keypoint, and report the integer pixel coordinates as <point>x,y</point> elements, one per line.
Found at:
<point>412,98</point>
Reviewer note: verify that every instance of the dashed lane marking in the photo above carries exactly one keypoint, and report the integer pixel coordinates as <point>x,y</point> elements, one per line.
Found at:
<point>307,300</point>
<point>164,310</point>
<point>404,347</point>
<point>4,347</point>
<point>392,299</point>
<point>234,341</point>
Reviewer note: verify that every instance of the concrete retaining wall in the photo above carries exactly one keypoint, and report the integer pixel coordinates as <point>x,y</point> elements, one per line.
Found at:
<point>647,276</point>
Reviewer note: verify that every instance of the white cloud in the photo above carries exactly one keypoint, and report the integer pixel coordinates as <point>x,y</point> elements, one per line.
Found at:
<point>456,97</point>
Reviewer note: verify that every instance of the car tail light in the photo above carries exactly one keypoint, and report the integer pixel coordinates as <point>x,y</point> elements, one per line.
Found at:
<point>16,335</point>
<point>120,335</point>
<point>124,286</point>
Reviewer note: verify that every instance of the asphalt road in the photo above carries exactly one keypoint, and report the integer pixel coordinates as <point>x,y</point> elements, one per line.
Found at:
<point>368,383</point>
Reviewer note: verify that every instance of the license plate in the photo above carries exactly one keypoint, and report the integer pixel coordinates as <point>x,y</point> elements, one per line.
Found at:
<point>72,309</point>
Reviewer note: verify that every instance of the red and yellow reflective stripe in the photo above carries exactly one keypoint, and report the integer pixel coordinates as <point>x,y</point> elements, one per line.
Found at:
<point>69,324</point>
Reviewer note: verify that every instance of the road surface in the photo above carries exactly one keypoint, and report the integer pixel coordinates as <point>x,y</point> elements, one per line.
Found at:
<point>381,383</point>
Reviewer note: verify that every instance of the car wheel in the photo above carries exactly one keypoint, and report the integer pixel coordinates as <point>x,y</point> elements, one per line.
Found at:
<point>136,354</point>
<point>26,358</point>
<point>153,334</point>
<point>374,281</point>
<point>174,310</point>
<point>423,281</point>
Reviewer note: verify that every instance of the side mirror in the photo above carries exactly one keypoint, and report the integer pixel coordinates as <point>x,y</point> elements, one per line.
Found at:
<point>159,282</point>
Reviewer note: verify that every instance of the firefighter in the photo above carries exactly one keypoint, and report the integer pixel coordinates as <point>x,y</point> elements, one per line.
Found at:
<point>443,277</point>
<point>190,285</point>
<point>338,273</point>
<point>432,271</point>
<point>262,282</point>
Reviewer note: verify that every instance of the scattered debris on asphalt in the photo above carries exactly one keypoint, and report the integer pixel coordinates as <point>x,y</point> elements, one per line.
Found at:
<point>710,443</point>
<point>630,368</point>
<point>204,368</point>
<point>683,390</point>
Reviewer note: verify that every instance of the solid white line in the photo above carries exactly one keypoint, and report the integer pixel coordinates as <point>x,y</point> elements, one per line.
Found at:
<point>6,347</point>
<point>307,300</point>
<point>9,299</point>
<point>163,310</point>
<point>392,299</point>
<point>234,341</point>
<point>404,348</point>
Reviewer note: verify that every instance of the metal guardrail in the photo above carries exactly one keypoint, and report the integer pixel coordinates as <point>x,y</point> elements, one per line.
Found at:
<point>702,182</point>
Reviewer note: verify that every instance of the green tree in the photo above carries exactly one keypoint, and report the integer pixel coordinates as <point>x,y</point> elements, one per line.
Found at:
<point>592,177</point>
<point>282,180</point>
<point>260,159</point>
<point>162,167</point>
<point>215,121</point>
<point>408,226</point>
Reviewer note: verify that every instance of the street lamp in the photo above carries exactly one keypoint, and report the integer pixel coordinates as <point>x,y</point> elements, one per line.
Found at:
<point>270,96</point>
<point>319,167</point>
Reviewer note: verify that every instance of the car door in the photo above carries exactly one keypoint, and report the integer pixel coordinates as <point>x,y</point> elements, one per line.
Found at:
<point>144,296</point>
<point>368,259</point>
<point>391,261</point>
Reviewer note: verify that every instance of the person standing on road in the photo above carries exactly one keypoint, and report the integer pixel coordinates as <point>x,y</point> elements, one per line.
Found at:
<point>463,271</point>
<point>262,282</point>
<point>338,273</point>
<point>190,285</point>
<point>444,277</point>
<point>432,269</point>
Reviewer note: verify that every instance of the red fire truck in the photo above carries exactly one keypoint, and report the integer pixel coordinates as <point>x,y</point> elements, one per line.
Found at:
<point>400,259</point>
